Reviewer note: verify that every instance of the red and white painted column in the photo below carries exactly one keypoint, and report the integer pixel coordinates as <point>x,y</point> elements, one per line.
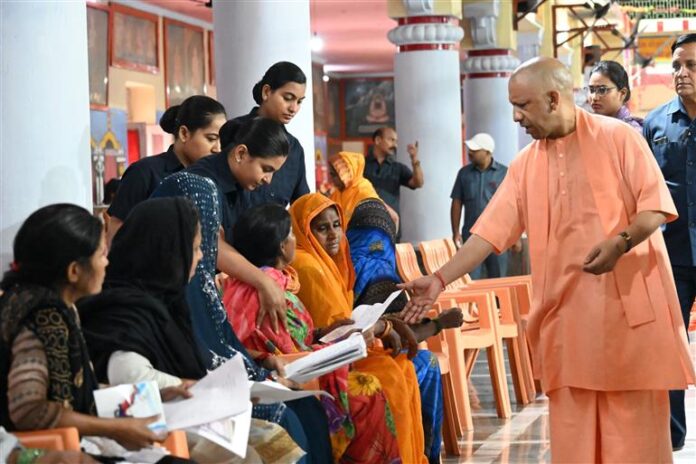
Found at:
<point>486,72</point>
<point>428,109</point>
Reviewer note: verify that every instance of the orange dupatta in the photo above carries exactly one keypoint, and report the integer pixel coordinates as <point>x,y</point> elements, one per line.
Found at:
<point>326,289</point>
<point>323,279</point>
<point>350,168</point>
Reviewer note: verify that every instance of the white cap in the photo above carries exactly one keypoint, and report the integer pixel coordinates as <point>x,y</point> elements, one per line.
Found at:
<point>481,141</point>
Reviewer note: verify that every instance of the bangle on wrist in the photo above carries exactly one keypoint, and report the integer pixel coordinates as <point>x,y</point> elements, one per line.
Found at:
<point>439,277</point>
<point>415,163</point>
<point>387,329</point>
<point>29,455</point>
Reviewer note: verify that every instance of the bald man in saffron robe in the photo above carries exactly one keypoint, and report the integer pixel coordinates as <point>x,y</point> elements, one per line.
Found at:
<point>606,332</point>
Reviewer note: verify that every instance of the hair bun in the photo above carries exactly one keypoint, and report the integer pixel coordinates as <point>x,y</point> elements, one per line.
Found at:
<point>229,132</point>
<point>168,122</point>
<point>256,92</point>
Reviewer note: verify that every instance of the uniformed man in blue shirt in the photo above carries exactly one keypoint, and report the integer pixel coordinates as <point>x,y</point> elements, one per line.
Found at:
<point>670,130</point>
<point>474,187</point>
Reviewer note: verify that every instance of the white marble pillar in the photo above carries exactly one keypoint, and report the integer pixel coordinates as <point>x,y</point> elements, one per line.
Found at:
<point>528,47</point>
<point>44,112</point>
<point>428,109</point>
<point>487,70</point>
<point>250,36</point>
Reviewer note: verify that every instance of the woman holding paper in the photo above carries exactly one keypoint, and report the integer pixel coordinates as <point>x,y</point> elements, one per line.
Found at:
<point>326,278</point>
<point>46,377</point>
<point>140,327</point>
<point>359,416</point>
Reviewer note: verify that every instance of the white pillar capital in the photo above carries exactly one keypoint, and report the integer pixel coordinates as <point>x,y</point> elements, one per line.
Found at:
<point>483,18</point>
<point>497,61</point>
<point>442,33</point>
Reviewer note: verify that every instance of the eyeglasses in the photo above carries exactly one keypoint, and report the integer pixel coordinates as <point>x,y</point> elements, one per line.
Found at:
<point>600,90</point>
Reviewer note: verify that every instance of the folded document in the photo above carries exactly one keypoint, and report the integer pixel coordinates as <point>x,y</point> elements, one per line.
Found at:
<point>327,360</point>
<point>364,317</point>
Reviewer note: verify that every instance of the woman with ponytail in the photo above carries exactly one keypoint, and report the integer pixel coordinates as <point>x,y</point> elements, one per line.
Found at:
<point>252,153</point>
<point>279,95</point>
<point>195,124</point>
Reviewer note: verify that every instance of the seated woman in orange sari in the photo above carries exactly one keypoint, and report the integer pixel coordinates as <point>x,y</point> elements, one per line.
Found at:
<point>326,275</point>
<point>360,421</point>
<point>346,170</point>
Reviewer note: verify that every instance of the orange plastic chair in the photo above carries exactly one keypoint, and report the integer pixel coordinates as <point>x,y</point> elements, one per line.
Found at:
<point>177,444</point>
<point>438,252</point>
<point>451,426</point>
<point>465,344</point>
<point>62,439</point>
<point>407,262</point>
<point>463,355</point>
<point>68,439</point>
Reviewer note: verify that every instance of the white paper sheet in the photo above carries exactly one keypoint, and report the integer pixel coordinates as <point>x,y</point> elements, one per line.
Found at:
<point>231,433</point>
<point>140,399</point>
<point>221,394</point>
<point>268,392</point>
<point>364,317</point>
<point>327,360</point>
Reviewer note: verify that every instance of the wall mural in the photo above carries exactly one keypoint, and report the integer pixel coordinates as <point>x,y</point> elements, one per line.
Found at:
<point>368,105</point>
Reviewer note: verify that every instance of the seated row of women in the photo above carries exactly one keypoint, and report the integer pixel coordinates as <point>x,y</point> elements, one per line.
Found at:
<point>160,315</point>
<point>140,326</point>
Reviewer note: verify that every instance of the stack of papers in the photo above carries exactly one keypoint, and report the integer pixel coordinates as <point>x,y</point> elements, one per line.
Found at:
<point>327,360</point>
<point>220,407</point>
<point>364,317</point>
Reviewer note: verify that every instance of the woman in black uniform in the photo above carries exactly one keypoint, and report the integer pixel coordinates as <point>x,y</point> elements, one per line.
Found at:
<point>280,94</point>
<point>195,125</point>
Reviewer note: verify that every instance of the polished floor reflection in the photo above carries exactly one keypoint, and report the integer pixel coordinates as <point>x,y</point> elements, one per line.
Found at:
<point>525,437</point>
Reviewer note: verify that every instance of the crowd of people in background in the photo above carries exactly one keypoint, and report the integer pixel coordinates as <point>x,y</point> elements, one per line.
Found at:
<point>216,247</point>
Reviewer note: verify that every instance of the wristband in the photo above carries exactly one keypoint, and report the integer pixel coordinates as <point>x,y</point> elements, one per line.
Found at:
<point>439,277</point>
<point>627,238</point>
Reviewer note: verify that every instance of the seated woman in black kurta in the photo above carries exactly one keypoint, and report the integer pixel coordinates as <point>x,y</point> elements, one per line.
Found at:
<point>46,378</point>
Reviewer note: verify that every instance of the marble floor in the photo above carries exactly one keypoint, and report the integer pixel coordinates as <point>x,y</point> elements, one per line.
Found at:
<point>525,437</point>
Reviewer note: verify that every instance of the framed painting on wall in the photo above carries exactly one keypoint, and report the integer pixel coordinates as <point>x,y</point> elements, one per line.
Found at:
<point>184,58</point>
<point>98,54</point>
<point>211,58</point>
<point>134,39</point>
<point>368,105</point>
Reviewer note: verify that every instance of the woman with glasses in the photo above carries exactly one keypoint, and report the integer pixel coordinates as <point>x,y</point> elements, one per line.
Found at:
<point>608,93</point>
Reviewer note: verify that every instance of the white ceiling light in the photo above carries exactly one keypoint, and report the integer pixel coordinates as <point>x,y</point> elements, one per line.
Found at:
<point>316,43</point>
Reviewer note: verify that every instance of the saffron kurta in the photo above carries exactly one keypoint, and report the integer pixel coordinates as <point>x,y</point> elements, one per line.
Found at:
<point>618,331</point>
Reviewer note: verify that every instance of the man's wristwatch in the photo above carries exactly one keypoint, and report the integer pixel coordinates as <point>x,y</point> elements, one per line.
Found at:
<point>627,238</point>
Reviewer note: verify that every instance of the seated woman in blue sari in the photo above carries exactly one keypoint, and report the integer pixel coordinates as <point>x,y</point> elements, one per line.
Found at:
<point>304,419</point>
<point>371,234</point>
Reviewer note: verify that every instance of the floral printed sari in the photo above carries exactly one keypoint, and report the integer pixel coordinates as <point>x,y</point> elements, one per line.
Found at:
<point>360,421</point>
